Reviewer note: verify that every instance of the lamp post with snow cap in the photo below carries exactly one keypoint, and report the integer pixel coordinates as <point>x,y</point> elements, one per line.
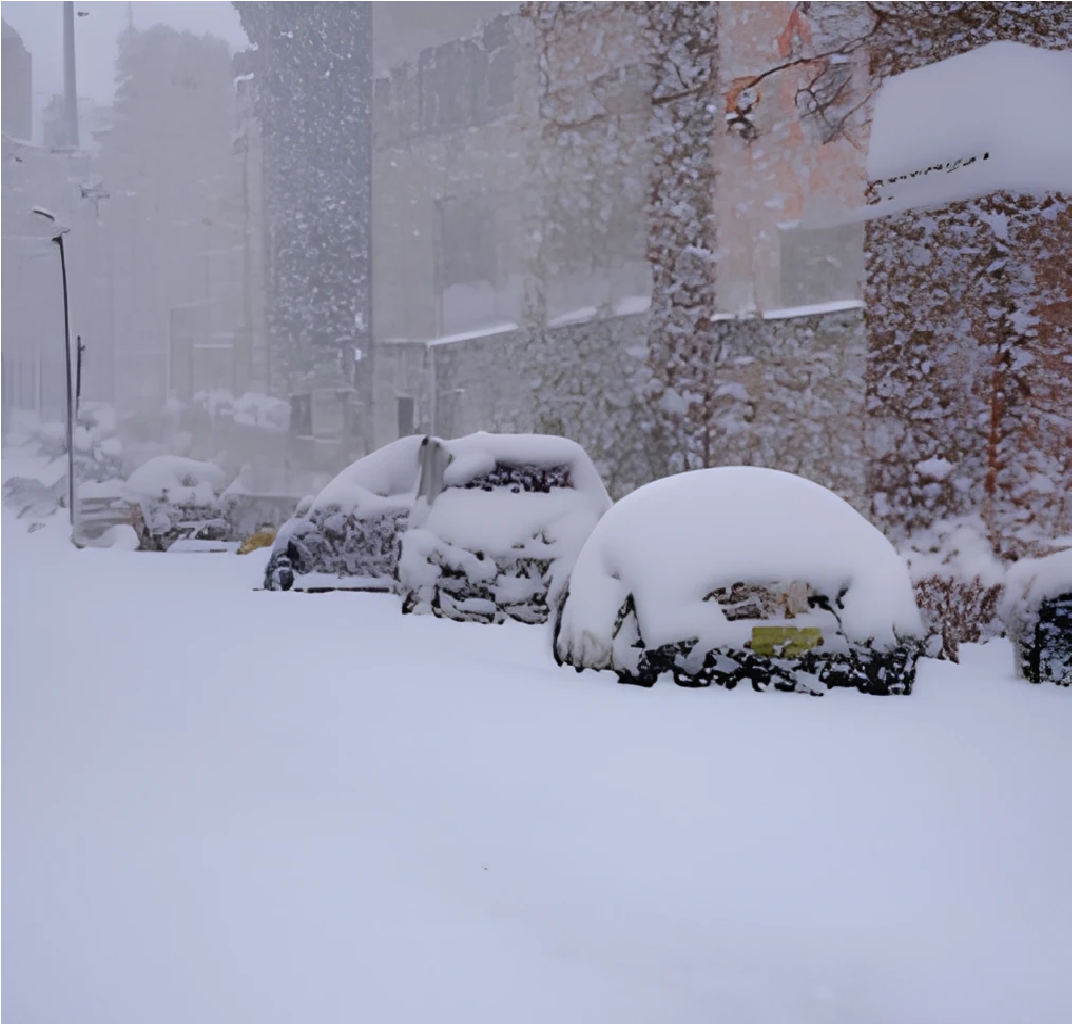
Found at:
<point>58,239</point>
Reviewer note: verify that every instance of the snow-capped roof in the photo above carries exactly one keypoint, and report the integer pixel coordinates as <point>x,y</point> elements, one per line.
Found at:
<point>476,454</point>
<point>674,541</point>
<point>996,118</point>
<point>385,479</point>
<point>187,481</point>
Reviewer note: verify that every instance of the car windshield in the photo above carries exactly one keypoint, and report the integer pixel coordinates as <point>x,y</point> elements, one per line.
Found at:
<point>531,479</point>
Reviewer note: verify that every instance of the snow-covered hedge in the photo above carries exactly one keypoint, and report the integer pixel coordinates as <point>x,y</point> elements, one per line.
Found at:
<point>499,519</point>
<point>1037,609</point>
<point>685,567</point>
<point>958,582</point>
<point>349,531</point>
<point>251,409</point>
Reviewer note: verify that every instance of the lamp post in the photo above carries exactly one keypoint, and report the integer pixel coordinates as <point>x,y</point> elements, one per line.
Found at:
<point>58,239</point>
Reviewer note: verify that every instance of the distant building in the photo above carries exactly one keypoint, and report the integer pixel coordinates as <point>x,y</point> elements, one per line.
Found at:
<point>316,151</point>
<point>17,86</point>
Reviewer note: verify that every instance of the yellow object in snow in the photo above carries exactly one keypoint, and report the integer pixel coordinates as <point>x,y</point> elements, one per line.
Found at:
<point>784,641</point>
<point>260,539</point>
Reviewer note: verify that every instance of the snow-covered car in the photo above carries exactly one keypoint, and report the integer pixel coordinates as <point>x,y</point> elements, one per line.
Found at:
<point>347,536</point>
<point>741,574</point>
<point>1037,609</point>
<point>175,499</point>
<point>498,519</point>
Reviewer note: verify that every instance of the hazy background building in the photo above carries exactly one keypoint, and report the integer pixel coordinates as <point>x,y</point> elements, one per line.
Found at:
<point>17,101</point>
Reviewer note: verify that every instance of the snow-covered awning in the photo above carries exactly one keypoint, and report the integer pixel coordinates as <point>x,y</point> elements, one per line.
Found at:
<point>995,118</point>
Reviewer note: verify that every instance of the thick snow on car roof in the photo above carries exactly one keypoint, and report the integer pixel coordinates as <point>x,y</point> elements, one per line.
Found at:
<point>674,541</point>
<point>498,521</point>
<point>477,454</point>
<point>384,480</point>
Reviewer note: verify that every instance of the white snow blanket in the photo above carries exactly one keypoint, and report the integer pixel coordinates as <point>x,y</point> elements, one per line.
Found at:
<point>670,543</point>
<point>329,812</point>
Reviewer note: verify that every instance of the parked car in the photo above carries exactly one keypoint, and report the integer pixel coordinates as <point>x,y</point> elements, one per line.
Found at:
<point>498,518</point>
<point>174,500</point>
<point>346,537</point>
<point>1037,609</point>
<point>741,574</point>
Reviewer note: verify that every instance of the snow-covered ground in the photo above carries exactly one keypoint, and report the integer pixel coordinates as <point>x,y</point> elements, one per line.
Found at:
<point>224,806</point>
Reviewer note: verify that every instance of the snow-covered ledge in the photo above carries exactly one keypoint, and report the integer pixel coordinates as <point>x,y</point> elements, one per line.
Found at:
<point>993,119</point>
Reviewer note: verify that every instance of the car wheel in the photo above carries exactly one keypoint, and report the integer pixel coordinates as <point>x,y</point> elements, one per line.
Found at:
<point>683,678</point>
<point>645,677</point>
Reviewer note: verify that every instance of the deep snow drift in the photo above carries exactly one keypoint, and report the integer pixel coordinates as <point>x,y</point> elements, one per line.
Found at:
<point>222,806</point>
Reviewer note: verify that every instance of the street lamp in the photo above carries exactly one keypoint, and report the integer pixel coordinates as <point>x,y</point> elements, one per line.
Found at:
<point>58,239</point>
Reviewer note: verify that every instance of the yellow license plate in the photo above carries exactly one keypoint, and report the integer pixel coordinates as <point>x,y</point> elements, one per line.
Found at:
<point>784,641</point>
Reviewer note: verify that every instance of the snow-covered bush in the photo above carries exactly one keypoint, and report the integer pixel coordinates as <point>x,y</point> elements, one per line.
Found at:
<point>251,409</point>
<point>98,451</point>
<point>349,531</point>
<point>958,582</point>
<point>498,523</point>
<point>720,575</point>
<point>1037,609</point>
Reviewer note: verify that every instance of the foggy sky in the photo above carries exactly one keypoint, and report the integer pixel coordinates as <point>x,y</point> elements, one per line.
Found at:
<point>40,23</point>
<point>401,30</point>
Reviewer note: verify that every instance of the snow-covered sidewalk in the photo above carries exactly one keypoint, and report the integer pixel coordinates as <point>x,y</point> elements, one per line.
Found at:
<point>225,806</point>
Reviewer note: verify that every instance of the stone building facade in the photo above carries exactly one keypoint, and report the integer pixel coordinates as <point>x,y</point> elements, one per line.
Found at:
<point>448,179</point>
<point>935,390</point>
<point>543,122</point>
<point>787,176</point>
<point>969,314</point>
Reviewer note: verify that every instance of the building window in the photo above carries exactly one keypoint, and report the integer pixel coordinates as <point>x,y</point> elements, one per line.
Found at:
<point>473,291</point>
<point>818,265</point>
<point>406,415</point>
<point>467,240</point>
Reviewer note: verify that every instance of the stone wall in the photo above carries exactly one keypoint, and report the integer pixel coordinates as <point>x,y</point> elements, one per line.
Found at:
<point>793,394</point>
<point>790,393</point>
<point>590,152</point>
<point>970,327</point>
<point>970,323</point>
